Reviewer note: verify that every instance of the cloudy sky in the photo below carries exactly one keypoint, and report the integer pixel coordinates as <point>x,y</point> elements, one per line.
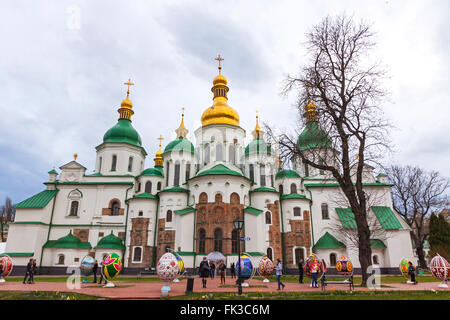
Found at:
<point>63,65</point>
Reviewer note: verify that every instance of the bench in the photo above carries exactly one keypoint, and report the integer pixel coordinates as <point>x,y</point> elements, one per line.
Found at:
<point>347,279</point>
<point>149,271</point>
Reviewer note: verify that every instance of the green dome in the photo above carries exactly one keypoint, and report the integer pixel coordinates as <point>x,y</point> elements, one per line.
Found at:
<point>123,131</point>
<point>286,174</point>
<point>258,146</point>
<point>110,242</point>
<point>180,144</point>
<point>313,137</point>
<point>156,171</point>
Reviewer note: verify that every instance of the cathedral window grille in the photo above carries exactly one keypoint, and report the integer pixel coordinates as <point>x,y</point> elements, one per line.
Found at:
<point>74,208</point>
<point>268,217</point>
<point>141,213</point>
<point>297,212</point>
<point>280,189</point>
<point>176,178</point>
<point>148,187</point>
<point>218,237</point>
<point>114,163</point>
<point>61,258</point>
<point>262,170</point>
<point>269,253</point>
<point>137,254</point>
<point>219,155</point>
<point>130,164</point>
<point>188,171</point>
<point>234,241</point>
<point>325,214</point>
<point>169,216</point>
<point>252,172</point>
<point>293,188</point>
<point>115,209</point>
<point>158,186</point>
<point>201,243</point>
<point>332,259</point>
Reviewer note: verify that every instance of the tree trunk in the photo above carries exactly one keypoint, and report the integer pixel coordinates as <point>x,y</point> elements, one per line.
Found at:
<point>421,255</point>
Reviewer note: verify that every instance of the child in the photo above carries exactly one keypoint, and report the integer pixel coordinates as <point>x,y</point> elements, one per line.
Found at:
<point>412,272</point>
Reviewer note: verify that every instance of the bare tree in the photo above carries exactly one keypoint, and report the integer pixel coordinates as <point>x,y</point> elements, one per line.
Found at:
<point>6,216</point>
<point>416,195</point>
<point>346,89</point>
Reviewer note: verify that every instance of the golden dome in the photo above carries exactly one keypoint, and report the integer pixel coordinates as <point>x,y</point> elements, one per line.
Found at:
<point>220,112</point>
<point>126,103</point>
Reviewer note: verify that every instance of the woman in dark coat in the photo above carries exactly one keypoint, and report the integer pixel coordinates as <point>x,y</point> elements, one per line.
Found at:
<point>204,271</point>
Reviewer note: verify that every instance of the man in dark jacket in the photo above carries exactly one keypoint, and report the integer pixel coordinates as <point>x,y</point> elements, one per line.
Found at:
<point>204,271</point>
<point>29,271</point>
<point>300,271</point>
<point>94,270</point>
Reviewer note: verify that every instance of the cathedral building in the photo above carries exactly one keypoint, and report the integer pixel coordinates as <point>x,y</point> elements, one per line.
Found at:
<point>188,200</point>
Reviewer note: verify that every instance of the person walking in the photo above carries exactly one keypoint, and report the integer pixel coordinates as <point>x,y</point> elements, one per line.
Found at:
<point>324,270</point>
<point>314,271</point>
<point>300,271</point>
<point>279,272</point>
<point>28,271</point>
<point>32,271</point>
<point>204,271</point>
<point>222,269</point>
<point>212,269</point>
<point>94,271</point>
<point>101,273</point>
<point>412,272</point>
<point>233,271</point>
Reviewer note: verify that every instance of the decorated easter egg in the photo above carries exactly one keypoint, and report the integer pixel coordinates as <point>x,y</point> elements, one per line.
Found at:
<point>404,266</point>
<point>265,267</point>
<point>246,267</point>
<point>86,266</point>
<point>112,265</point>
<point>167,267</point>
<point>440,268</point>
<point>344,266</point>
<point>7,266</point>
<point>311,263</point>
<point>180,265</point>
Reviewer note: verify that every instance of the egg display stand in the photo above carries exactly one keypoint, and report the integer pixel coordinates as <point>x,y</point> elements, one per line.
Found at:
<point>109,284</point>
<point>252,260</point>
<point>176,255</point>
<point>265,278</point>
<point>443,284</point>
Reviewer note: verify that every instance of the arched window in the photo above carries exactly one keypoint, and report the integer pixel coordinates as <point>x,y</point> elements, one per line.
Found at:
<point>297,212</point>
<point>218,236</point>
<point>201,243</point>
<point>332,259</point>
<point>138,187</point>
<point>280,189</point>
<point>137,254</point>
<point>188,171</point>
<point>293,188</point>
<point>325,211</point>
<point>130,164</point>
<point>321,163</point>
<point>114,163</point>
<point>262,172</point>
<point>176,178</point>
<point>252,172</point>
<point>158,187</point>
<point>168,248</point>
<point>234,241</point>
<point>203,198</point>
<point>375,259</point>
<point>218,198</point>
<point>74,208</point>
<point>148,187</point>
<point>207,155</point>
<point>271,180</point>
<point>270,253</point>
<point>268,217</point>
<point>299,254</point>
<point>115,208</point>
<point>61,259</point>
<point>141,213</point>
<point>231,154</point>
<point>306,170</point>
<point>169,216</point>
<point>167,172</point>
<point>234,198</point>
<point>219,152</point>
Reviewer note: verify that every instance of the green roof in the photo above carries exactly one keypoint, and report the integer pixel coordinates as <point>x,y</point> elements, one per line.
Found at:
<point>39,200</point>
<point>387,218</point>
<point>110,242</point>
<point>253,210</point>
<point>144,195</point>
<point>377,244</point>
<point>68,242</point>
<point>382,175</point>
<point>124,132</point>
<point>175,189</point>
<point>286,174</point>
<point>347,218</point>
<point>53,171</point>
<point>180,144</point>
<point>255,253</point>
<point>156,171</point>
<point>184,211</point>
<point>258,146</point>
<point>336,185</point>
<point>219,169</point>
<point>98,174</point>
<point>186,253</point>
<point>18,254</point>
<point>264,189</point>
<point>292,196</point>
<point>327,241</point>
<point>313,137</point>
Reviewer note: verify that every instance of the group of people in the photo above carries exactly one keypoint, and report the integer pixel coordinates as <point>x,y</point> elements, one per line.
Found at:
<point>31,270</point>
<point>208,269</point>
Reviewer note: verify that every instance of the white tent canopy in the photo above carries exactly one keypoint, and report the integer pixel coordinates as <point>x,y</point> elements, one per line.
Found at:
<point>216,256</point>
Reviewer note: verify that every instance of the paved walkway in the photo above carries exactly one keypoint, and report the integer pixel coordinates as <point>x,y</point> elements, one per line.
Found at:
<point>152,290</point>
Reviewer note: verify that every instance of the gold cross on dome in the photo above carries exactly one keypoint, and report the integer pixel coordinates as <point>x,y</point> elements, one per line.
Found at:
<point>219,58</point>
<point>160,140</point>
<point>129,83</point>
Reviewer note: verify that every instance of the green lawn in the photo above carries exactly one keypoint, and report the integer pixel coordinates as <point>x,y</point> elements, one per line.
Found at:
<point>119,278</point>
<point>334,295</point>
<point>45,295</point>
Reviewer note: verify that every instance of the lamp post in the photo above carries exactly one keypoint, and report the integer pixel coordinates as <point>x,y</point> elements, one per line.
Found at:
<point>238,224</point>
